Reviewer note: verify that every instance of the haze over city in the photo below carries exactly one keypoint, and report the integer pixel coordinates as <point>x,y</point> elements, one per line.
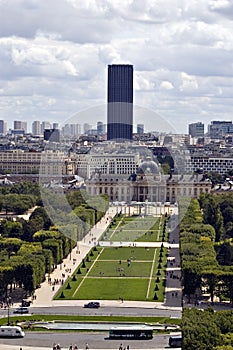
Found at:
<point>55,66</point>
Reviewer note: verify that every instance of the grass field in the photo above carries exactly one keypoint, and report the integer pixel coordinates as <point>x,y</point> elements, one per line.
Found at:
<point>114,273</point>
<point>134,228</point>
<point>129,273</point>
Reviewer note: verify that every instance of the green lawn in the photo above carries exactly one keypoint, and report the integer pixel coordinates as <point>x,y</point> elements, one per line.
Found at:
<point>115,269</point>
<point>108,277</point>
<point>124,253</point>
<point>113,289</point>
<point>134,228</point>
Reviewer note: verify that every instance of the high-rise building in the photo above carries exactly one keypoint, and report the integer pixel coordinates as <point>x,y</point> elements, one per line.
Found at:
<point>140,129</point>
<point>3,127</point>
<point>20,125</point>
<point>36,127</point>
<point>120,102</point>
<point>45,125</point>
<point>86,128</point>
<point>196,130</point>
<point>100,128</point>
<point>75,129</point>
<point>217,129</point>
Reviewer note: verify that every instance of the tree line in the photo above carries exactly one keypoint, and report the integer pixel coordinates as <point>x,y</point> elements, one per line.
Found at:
<point>30,249</point>
<point>207,267</point>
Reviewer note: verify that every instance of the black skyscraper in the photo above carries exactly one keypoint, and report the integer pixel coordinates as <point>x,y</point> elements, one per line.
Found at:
<point>120,102</point>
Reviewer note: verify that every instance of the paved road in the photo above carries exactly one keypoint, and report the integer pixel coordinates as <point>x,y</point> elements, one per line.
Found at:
<point>105,311</point>
<point>97,340</point>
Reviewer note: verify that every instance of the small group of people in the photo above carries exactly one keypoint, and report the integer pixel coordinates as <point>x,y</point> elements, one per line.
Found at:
<point>72,347</point>
<point>121,347</point>
<point>75,347</point>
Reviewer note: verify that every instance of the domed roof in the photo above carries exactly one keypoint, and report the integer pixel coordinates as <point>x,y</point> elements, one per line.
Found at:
<point>148,166</point>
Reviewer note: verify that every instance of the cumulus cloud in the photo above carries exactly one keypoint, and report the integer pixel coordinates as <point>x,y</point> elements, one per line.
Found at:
<point>167,85</point>
<point>54,56</point>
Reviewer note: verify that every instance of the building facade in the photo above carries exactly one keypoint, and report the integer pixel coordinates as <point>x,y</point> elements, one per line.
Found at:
<point>206,164</point>
<point>196,130</point>
<point>218,129</point>
<point>20,125</point>
<point>140,129</point>
<point>3,127</point>
<point>46,163</point>
<point>120,102</point>
<point>36,127</point>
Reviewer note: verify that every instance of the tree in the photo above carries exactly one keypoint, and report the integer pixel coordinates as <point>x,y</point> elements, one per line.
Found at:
<point>212,215</point>
<point>224,251</point>
<point>210,278</point>
<point>199,331</point>
<point>228,282</point>
<point>12,245</point>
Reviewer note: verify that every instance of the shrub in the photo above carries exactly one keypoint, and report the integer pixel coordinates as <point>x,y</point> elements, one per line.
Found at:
<point>62,295</point>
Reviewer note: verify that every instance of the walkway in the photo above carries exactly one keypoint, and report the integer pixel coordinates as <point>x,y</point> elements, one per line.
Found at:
<point>44,295</point>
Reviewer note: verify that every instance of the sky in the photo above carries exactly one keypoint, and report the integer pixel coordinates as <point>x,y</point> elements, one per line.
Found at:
<point>54,56</point>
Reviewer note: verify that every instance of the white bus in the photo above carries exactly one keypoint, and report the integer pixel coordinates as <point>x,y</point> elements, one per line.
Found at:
<point>11,332</point>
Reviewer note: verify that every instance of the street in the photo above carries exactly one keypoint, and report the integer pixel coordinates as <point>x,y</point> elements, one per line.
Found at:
<point>96,340</point>
<point>102,311</point>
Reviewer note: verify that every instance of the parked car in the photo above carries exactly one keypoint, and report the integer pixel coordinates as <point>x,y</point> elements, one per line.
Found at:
<point>92,305</point>
<point>21,310</point>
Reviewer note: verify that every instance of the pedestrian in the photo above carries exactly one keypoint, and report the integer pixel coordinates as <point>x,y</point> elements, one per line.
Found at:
<point>71,347</point>
<point>127,347</point>
<point>75,347</point>
<point>121,347</point>
<point>87,346</point>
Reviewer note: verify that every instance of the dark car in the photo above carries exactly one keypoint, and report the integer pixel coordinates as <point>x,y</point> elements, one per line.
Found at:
<point>21,310</point>
<point>92,305</point>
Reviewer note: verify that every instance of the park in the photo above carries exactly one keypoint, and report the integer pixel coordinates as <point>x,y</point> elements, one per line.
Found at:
<point>123,272</point>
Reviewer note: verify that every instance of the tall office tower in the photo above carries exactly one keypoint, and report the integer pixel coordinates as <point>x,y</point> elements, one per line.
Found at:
<point>3,127</point>
<point>140,129</point>
<point>86,128</point>
<point>196,130</point>
<point>36,127</point>
<point>75,130</point>
<point>100,128</point>
<point>120,102</point>
<point>19,125</point>
<point>66,130</point>
<point>45,125</point>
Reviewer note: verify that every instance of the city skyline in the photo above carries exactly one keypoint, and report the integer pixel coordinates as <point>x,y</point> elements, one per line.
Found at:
<point>37,127</point>
<point>181,54</point>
